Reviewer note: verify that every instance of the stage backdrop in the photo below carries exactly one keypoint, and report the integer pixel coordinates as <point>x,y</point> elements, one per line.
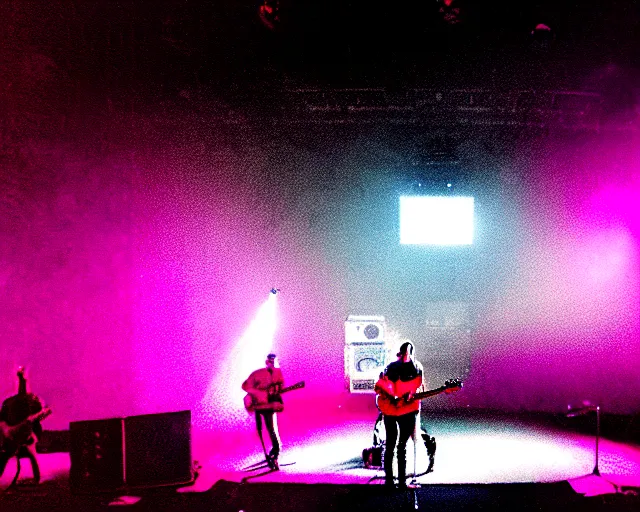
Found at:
<point>130,271</point>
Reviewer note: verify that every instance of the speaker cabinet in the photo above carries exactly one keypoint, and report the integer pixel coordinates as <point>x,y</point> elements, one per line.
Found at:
<point>363,363</point>
<point>97,455</point>
<point>364,329</point>
<point>158,449</point>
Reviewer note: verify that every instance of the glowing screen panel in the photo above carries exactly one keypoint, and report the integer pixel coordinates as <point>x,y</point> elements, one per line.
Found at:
<point>436,220</point>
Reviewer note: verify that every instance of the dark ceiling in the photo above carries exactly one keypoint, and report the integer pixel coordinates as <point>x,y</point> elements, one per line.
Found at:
<point>336,42</point>
<point>68,58</point>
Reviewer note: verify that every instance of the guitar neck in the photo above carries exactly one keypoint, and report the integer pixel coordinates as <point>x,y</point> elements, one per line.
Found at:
<point>39,416</point>
<point>291,388</point>
<point>427,394</point>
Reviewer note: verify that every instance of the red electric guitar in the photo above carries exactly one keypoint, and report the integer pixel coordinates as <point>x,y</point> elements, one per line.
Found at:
<point>268,400</point>
<point>394,406</point>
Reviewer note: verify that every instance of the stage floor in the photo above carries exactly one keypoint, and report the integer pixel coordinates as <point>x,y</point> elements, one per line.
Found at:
<point>472,448</point>
<point>481,448</point>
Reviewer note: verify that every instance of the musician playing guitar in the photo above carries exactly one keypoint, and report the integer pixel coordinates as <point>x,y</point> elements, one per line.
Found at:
<point>398,398</point>
<point>397,386</point>
<point>20,426</point>
<point>263,386</point>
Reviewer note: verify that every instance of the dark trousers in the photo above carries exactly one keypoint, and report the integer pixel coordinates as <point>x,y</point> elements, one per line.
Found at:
<point>399,430</point>
<point>270,422</point>
<point>28,452</point>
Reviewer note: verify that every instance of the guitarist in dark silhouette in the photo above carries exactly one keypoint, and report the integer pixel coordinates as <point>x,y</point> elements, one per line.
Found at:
<point>15,410</point>
<point>264,385</point>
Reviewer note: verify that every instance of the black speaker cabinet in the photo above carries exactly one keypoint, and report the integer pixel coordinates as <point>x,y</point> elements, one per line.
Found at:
<point>97,455</point>
<point>158,449</point>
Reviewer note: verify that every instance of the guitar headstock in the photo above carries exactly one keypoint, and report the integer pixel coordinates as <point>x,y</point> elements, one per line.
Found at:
<point>452,385</point>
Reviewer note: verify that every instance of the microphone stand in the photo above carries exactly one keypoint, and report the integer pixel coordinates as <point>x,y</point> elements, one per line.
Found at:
<point>596,469</point>
<point>585,410</point>
<point>414,485</point>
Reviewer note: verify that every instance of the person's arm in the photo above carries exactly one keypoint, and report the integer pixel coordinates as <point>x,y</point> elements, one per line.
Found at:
<point>421,384</point>
<point>418,383</point>
<point>414,387</point>
<point>384,387</point>
<point>22,381</point>
<point>249,384</point>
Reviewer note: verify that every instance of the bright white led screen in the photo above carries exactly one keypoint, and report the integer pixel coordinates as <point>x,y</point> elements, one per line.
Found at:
<point>436,220</point>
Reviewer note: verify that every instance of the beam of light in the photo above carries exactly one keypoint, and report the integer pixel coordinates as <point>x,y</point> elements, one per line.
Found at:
<point>223,401</point>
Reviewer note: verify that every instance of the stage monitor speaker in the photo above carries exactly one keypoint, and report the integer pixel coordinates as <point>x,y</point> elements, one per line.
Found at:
<point>363,363</point>
<point>158,449</point>
<point>97,455</point>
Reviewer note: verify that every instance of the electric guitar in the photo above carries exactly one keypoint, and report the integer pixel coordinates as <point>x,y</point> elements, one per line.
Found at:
<point>266,400</point>
<point>393,406</point>
<point>16,436</point>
